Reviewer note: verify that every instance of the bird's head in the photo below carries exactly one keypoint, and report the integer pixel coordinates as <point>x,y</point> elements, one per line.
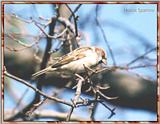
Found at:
<point>102,55</point>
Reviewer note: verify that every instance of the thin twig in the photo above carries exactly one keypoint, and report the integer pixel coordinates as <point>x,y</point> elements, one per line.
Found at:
<point>77,8</point>
<point>45,113</point>
<point>69,114</point>
<point>111,110</point>
<point>103,88</point>
<point>142,66</point>
<point>140,57</point>
<point>94,107</point>
<point>36,90</point>
<point>75,18</point>
<point>104,36</point>
<point>20,42</point>
<point>76,97</point>
<point>56,36</point>
<point>66,23</point>
<point>20,100</point>
<point>114,68</point>
<point>35,106</point>
<point>78,92</point>
<point>106,97</point>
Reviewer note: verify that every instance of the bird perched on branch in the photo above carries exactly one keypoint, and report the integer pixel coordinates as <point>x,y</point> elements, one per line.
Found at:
<point>76,61</point>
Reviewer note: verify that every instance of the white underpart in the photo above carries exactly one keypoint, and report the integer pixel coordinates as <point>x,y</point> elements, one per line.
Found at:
<point>91,59</point>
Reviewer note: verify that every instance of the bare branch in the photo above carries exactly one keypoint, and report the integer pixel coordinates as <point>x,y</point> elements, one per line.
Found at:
<point>36,90</point>
<point>106,97</point>
<point>20,42</point>
<point>77,8</point>
<point>69,114</point>
<point>142,56</point>
<point>104,36</point>
<point>78,90</point>
<point>50,36</point>
<point>34,107</point>
<point>20,100</point>
<point>111,110</point>
<point>47,114</point>
<point>94,107</point>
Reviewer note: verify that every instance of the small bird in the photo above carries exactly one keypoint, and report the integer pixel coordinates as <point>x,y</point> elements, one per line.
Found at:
<point>76,61</point>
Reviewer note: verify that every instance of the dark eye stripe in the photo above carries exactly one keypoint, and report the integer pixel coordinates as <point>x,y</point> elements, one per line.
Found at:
<point>100,62</point>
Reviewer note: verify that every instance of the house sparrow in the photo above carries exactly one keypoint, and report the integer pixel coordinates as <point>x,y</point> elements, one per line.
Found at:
<point>76,61</point>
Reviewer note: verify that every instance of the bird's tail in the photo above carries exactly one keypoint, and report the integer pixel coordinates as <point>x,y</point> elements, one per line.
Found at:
<point>43,71</point>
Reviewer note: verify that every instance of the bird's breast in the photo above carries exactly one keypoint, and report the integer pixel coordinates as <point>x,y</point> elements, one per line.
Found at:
<point>78,65</point>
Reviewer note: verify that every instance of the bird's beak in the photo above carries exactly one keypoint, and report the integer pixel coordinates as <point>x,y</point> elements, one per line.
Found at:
<point>104,61</point>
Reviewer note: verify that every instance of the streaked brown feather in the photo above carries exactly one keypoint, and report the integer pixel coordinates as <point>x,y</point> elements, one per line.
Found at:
<point>72,56</point>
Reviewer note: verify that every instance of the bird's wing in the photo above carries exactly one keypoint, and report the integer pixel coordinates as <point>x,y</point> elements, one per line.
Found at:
<point>73,56</point>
